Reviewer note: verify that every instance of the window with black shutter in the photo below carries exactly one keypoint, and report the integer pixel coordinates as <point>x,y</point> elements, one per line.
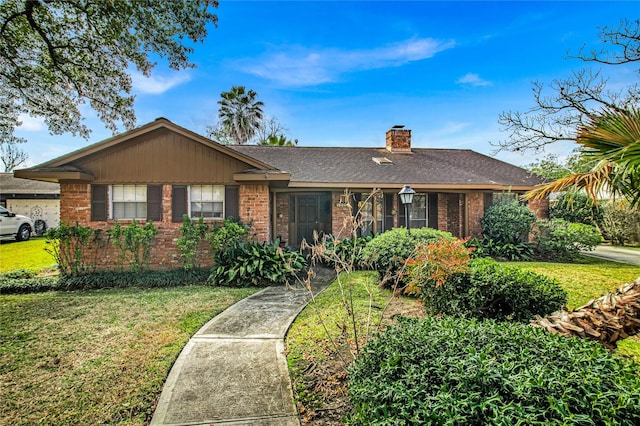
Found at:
<point>231,202</point>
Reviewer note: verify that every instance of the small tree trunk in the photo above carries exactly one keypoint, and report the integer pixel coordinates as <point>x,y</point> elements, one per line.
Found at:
<point>608,319</point>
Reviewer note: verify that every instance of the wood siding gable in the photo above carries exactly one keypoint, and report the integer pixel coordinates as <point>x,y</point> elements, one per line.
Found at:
<point>161,156</point>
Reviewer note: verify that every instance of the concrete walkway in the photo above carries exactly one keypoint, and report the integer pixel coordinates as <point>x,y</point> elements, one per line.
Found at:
<point>616,254</point>
<point>234,371</point>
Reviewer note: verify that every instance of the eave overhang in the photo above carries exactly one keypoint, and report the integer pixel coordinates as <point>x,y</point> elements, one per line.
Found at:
<point>55,176</point>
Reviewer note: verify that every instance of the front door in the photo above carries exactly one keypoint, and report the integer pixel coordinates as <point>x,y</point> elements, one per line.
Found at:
<point>307,217</point>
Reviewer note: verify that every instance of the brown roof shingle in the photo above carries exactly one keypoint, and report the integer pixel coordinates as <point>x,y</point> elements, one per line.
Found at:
<point>445,168</point>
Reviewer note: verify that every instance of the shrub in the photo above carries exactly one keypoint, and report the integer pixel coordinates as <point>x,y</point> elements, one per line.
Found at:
<point>69,245</point>
<point>576,207</point>
<point>562,240</point>
<point>489,290</point>
<point>243,264</point>
<point>134,242</point>
<point>388,251</point>
<point>507,251</point>
<point>191,234</point>
<point>621,224</point>
<point>225,233</point>
<point>507,223</point>
<point>469,372</point>
<point>432,264</point>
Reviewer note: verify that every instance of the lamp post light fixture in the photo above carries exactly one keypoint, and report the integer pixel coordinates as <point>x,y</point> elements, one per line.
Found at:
<point>406,197</point>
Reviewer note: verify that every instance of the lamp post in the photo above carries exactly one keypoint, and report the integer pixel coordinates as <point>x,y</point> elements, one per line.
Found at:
<point>406,197</point>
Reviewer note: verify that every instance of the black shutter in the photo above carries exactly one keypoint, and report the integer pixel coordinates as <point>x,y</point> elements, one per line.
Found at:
<point>231,202</point>
<point>154,202</point>
<point>432,208</point>
<point>178,202</point>
<point>98,202</point>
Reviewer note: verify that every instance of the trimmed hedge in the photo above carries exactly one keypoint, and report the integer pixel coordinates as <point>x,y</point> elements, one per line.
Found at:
<point>490,290</point>
<point>468,372</point>
<point>388,251</point>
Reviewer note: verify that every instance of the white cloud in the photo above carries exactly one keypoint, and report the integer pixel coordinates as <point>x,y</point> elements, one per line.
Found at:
<point>156,85</point>
<point>301,66</point>
<point>473,80</point>
<point>30,124</point>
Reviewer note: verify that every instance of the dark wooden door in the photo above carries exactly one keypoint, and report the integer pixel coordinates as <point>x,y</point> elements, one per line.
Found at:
<point>307,217</point>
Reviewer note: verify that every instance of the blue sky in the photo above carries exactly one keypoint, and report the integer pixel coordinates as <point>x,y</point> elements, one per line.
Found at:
<point>342,73</point>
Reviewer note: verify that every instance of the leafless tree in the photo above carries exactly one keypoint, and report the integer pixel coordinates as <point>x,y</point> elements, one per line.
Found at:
<point>12,156</point>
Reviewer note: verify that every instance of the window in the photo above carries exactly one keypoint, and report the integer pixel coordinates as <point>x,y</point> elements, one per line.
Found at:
<point>126,202</point>
<point>129,201</point>
<point>419,211</point>
<point>371,214</point>
<point>207,201</point>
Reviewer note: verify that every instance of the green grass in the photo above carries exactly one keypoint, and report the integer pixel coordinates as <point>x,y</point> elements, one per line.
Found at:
<point>28,254</point>
<point>587,280</point>
<point>97,357</point>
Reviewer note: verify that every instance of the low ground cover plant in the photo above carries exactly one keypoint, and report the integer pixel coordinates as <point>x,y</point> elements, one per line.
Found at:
<point>456,371</point>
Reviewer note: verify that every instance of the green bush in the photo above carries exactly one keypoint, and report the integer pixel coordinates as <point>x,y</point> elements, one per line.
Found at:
<point>244,264</point>
<point>70,246</point>
<point>191,233</point>
<point>388,251</point>
<point>507,251</point>
<point>561,240</point>
<point>134,242</point>
<point>576,207</point>
<point>225,233</point>
<point>621,224</point>
<point>469,372</point>
<point>505,230</point>
<point>489,290</point>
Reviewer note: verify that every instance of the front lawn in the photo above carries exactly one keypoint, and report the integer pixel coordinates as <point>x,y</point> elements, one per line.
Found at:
<point>96,357</point>
<point>28,254</point>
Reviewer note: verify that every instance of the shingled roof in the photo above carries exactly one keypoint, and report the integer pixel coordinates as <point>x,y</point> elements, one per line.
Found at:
<point>12,185</point>
<point>367,167</point>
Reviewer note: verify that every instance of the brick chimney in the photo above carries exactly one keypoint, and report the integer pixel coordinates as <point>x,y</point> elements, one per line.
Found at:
<point>399,140</point>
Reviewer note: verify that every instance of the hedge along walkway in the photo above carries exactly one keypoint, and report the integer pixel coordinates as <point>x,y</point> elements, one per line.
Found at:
<point>234,370</point>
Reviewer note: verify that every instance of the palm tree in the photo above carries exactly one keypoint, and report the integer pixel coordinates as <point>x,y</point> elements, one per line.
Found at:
<point>240,114</point>
<point>613,138</point>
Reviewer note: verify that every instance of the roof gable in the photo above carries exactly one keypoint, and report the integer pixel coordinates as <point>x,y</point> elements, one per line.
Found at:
<point>160,151</point>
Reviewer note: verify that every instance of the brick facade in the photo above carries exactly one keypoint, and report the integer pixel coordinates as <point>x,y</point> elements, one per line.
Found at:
<point>341,216</point>
<point>282,217</point>
<point>254,207</point>
<point>75,207</point>
<point>475,212</point>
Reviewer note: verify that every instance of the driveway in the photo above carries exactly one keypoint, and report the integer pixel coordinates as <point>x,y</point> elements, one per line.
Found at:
<point>616,254</point>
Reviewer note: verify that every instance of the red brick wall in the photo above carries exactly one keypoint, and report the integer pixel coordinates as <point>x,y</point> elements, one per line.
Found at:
<point>254,207</point>
<point>341,216</point>
<point>540,208</point>
<point>282,217</point>
<point>475,212</point>
<point>398,140</point>
<point>75,206</point>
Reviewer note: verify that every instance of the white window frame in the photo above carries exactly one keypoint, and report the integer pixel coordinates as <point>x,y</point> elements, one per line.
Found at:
<point>206,194</point>
<point>126,195</point>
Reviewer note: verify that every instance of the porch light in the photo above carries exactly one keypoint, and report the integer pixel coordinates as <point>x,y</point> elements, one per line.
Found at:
<point>406,197</point>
